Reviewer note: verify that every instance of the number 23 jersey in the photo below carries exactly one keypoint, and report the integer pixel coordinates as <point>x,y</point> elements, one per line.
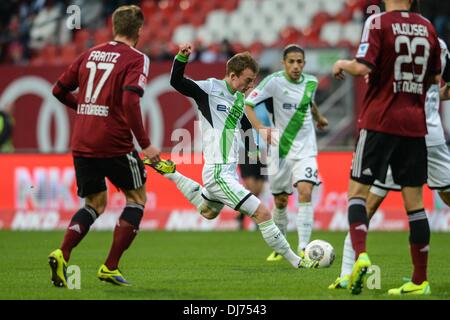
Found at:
<point>403,52</point>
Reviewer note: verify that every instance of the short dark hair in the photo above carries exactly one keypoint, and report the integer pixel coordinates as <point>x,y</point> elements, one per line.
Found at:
<point>127,20</point>
<point>241,61</point>
<point>415,6</point>
<point>292,48</point>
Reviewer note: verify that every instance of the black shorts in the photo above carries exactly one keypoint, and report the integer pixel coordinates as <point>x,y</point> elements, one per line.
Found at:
<point>375,151</point>
<point>126,172</point>
<point>249,170</point>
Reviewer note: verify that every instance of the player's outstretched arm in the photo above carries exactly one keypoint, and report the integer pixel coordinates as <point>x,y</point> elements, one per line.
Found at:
<point>353,67</point>
<point>182,84</point>
<point>265,132</point>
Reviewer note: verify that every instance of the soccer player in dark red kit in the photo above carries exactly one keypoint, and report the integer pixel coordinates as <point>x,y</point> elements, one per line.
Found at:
<point>111,78</point>
<point>400,52</point>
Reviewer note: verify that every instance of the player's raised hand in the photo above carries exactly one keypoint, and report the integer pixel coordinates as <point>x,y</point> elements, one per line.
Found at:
<point>152,153</point>
<point>186,49</point>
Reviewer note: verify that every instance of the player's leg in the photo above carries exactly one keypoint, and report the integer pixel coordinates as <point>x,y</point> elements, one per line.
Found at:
<point>272,235</point>
<point>225,188</point>
<point>374,200</point>
<point>439,171</point>
<point>92,187</point>
<point>188,187</point>
<point>82,220</point>
<point>127,173</point>
<point>280,182</point>
<point>253,183</point>
<point>305,173</point>
<point>370,162</point>
<point>358,228</point>
<point>125,231</point>
<point>409,168</point>
<point>305,215</point>
<point>280,218</point>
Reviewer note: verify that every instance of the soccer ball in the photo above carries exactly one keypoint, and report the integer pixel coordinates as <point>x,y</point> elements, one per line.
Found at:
<point>321,251</point>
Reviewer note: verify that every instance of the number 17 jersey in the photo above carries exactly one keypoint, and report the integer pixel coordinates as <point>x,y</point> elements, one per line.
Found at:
<point>403,52</point>
<point>102,73</point>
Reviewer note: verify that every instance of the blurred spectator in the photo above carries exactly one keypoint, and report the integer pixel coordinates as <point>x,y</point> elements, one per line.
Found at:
<point>226,51</point>
<point>6,130</point>
<point>15,53</point>
<point>45,25</point>
<point>438,12</point>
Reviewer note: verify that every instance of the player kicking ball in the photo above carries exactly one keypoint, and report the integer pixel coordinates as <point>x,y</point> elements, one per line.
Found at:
<point>221,106</point>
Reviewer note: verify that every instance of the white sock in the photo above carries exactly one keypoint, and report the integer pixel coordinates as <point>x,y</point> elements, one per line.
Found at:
<point>188,187</point>
<point>275,239</point>
<point>305,223</point>
<point>348,257</point>
<point>280,218</point>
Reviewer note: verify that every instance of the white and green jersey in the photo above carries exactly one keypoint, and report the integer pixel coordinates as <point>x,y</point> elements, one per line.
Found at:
<point>435,134</point>
<point>221,114</point>
<point>289,103</point>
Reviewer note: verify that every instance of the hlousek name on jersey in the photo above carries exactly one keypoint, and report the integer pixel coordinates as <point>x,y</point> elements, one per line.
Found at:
<point>407,29</point>
<point>93,110</point>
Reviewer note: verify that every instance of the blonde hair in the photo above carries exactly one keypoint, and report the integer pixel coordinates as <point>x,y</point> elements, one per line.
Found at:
<point>127,20</point>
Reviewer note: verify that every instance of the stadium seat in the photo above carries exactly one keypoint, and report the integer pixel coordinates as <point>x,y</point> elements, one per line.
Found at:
<point>352,32</point>
<point>102,35</point>
<point>81,39</point>
<point>331,32</point>
<point>68,54</point>
<point>184,33</point>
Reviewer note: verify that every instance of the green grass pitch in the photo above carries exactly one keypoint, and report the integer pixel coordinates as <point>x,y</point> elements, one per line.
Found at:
<point>206,266</point>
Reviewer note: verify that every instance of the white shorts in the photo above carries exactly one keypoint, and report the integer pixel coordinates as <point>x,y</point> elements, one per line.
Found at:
<point>221,187</point>
<point>287,173</point>
<point>438,173</point>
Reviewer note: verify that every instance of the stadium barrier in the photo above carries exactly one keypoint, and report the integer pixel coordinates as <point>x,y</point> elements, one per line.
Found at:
<point>38,192</point>
<point>43,124</point>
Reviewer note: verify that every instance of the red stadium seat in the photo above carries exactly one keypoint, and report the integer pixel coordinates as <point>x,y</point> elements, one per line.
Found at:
<point>81,39</point>
<point>68,53</point>
<point>102,35</point>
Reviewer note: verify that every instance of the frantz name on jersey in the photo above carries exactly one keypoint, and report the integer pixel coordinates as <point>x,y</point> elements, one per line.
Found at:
<point>102,56</point>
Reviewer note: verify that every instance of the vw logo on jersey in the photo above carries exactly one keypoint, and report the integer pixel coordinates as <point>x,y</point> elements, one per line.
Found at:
<point>289,106</point>
<point>222,108</point>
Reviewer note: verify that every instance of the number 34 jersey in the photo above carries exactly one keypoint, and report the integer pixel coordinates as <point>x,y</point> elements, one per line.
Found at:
<point>102,74</point>
<point>402,49</point>
<point>289,103</point>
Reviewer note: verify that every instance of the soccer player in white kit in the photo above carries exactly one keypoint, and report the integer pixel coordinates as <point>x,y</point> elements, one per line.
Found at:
<point>289,97</point>
<point>438,166</point>
<point>221,114</point>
